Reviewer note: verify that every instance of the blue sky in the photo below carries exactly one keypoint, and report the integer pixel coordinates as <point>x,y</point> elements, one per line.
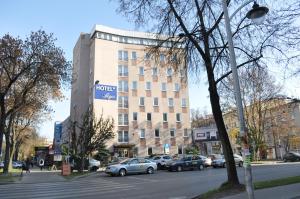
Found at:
<point>66,19</point>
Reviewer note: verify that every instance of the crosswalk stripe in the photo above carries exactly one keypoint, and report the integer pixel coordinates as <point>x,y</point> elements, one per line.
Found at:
<point>54,192</point>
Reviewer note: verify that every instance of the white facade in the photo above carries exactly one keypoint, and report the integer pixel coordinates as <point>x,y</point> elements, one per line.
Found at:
<point>151,111</point>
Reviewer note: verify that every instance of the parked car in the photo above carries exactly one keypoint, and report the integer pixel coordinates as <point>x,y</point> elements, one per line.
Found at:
<point>189,162</point>
<point>132,165</point>
<point>1,164</point>
<point>207,161</point>
<point>238,160</point>
<point>291,156</point>
<point>17,164</point>
<point>94,165</point>
<point>162,160</point>
<point>220,162</point>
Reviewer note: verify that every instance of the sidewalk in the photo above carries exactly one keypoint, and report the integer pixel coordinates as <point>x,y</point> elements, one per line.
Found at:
<point>37,176</point>
<point>291,191</point>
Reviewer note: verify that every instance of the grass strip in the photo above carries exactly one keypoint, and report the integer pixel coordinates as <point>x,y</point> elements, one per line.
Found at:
<point>276,182</point>
<point>224,190</point>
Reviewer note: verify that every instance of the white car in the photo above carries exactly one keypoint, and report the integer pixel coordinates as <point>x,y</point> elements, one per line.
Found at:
<point>161,160</point>
<point>238,160</point>
<point>207,161</point>
<point>94,165</point>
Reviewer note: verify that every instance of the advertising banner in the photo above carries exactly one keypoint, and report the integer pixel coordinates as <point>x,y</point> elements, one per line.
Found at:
<point>105,92</point>
<point>57,137</point>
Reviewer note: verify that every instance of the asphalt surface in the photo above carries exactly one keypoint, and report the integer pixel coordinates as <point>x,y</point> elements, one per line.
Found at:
<point>162,184</point>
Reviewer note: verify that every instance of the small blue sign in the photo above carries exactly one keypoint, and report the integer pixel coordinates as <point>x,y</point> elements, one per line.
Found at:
<point>105,92</point>
<point>57,137</point>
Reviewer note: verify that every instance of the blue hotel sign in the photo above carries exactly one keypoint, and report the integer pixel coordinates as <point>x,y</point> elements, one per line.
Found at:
<point>105,92</point>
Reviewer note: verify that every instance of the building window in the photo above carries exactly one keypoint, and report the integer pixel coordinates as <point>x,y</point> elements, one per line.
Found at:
<point>148,86</point>
<point>134,85</point>
<point>171,102</point>
<point>142,133</point>
<point>142,101</point>
<point>148,116</point>
<point>169,72</point>
<point>123,55</point>
<point>123,102</point>
<point>183,102</point>
<point>163,86</point>
<point>123,119</point>
<point>162,57</point>
<point>141,70</point>
<point>133,55</point>
<point>150,151</point>
<point>154,71</point>
<point>176,87</point>
<point>123,70</point>
<point>172,132</point>
<point>178,117</point>
<point>165,117</point>
<point>147,56</point>
<point>123,136</point>
<point>135,116</point>
<point>156,133</point>
<point>208,135</point>
<point>179,149</point>
<point>185,133</point>
<point>123,86</point>
<point>155,101</point>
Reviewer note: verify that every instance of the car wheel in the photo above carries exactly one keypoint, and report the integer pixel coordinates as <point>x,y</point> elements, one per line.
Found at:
<point>94,168</point>
<point>201,167</point>
<point>240,164</point>
<point>158,166</point>
<point>150,170</point>
<point>122,172</point>
<point>179,168</point>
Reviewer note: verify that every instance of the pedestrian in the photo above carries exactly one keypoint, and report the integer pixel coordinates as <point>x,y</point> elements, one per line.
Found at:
<point>41,164</point>
<point>27,164</point>
<point>31,163</point>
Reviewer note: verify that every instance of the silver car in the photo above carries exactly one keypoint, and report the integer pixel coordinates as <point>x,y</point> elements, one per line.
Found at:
<point>131,165</point>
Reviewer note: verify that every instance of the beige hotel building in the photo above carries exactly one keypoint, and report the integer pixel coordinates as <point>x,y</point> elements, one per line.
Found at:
<point>148,100</point>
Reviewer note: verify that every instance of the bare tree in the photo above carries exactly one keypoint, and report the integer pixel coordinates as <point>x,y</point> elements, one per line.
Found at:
<point>257,94</point>
<point>197,27</point>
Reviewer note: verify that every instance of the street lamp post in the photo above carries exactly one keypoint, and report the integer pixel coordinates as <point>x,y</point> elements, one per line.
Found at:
<point>254,14</point>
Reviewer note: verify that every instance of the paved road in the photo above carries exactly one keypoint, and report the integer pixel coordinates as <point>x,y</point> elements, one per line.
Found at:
<point>162,184</point>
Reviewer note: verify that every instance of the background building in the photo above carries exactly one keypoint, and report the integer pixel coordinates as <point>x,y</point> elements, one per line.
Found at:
<point>148,100</point>
<point>206,137</point>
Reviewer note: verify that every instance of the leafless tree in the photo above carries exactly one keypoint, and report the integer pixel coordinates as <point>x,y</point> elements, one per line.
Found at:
<point>198,27</point>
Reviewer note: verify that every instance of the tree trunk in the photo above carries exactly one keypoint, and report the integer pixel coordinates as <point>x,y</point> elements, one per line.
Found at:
<point>2,121</point>
<point>232,176</point>
<point>6,158</point>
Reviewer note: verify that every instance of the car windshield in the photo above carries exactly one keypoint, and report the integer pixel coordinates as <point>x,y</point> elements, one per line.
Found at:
<point>295,153</point>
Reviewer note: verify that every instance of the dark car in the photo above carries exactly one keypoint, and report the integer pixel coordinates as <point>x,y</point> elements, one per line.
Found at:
<point>291,156</point>
<point>185,163</point>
